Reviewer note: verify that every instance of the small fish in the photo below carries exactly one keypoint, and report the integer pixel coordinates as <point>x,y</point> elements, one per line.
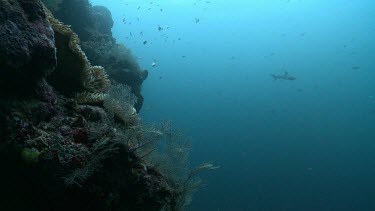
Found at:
<point>144,42</point>
<point>139,8</point>
<point>161,10</point>
<point>183,56</point>
<point>160,28</point>
<point>160,77</point>
<point>356,67</point>
<point>141,33</point>
<point>131,34</point>
<point>153,64</point>
<point>196,20</point>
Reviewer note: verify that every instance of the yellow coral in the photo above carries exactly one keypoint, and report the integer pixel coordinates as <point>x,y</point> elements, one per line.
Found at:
<point>94,80</point>
<point>30,155</point>
<point>90,98</point>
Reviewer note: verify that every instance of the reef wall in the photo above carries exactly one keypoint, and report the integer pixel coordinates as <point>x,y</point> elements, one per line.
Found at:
<point>65,143</point>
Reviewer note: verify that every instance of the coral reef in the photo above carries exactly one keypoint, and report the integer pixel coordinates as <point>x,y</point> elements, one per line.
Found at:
<point>74,140</point>
<point>53,150</point>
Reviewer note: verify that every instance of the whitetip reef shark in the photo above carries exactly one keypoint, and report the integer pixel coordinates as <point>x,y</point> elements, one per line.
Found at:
<point>285,76</point>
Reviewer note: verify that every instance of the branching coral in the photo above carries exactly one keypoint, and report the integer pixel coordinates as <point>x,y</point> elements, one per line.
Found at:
<point>103,148</point>
<point>120,101</point>
<point>171,159</point>
<point>107,140</point>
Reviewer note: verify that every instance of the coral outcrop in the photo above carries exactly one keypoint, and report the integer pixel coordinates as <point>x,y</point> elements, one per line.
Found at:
<point>73,65</point>
<point>93,25</point>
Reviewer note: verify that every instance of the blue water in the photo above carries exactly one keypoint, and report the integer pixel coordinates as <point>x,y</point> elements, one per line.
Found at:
<point>307,144</point>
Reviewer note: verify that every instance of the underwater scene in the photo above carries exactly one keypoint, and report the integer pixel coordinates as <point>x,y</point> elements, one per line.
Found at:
<point>243,105</point>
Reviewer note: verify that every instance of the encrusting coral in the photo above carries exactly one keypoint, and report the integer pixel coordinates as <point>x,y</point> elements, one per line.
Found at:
<point>87,82</point>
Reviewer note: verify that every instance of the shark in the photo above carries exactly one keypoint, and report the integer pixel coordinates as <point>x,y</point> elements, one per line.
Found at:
<point>285,76</point>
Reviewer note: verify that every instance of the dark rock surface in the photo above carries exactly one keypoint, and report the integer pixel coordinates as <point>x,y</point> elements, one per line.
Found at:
<point>27,47</point>
<point>102,18</point>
